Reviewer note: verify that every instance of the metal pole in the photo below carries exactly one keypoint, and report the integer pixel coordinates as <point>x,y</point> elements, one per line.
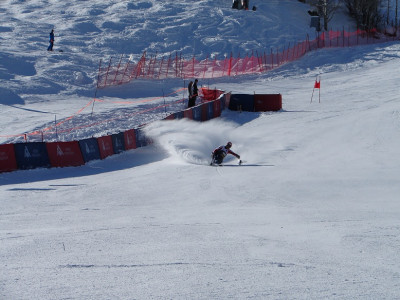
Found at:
<point>165,106</point>
<point>184,88</point>
<point>55,124</point>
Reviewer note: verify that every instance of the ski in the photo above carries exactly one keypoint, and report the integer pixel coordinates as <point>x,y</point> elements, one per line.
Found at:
<point>212,163</point>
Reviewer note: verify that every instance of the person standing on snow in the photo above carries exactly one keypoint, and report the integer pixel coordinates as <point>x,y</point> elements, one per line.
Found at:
<point>235,4</point>
<point>190,91</point>
<point>195,91</point>
<point>219,154</point>
<point>51,41</point>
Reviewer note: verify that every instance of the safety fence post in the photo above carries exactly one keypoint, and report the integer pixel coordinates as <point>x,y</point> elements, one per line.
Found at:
<point>116,73</point>
<point>140,65</point>
<point>237,64</point>
<point>260,68</point>
<point>244,66</point>
<point>193,67</point>
<point>230,65</point>
<point>181,62</point>
<point>213,67</point>
<point>126,68</point>
<point>169,63</point>
<point>148,74</point>
<point>153,67</point>
<point>272,60</point>
<point>223,70</point>
<point>109,65</point>
<point>161,65</point>
<point>205,67</point>
<point>98,75</point>
<point>337,39</point>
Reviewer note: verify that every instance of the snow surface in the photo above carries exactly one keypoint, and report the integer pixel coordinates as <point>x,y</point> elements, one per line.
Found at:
<point>312,214</point>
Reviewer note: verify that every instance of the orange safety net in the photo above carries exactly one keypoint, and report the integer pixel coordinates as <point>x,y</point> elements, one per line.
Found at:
<point>176,66</point>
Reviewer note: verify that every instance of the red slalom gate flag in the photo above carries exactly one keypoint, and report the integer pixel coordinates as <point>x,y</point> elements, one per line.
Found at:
<point>317,85</point>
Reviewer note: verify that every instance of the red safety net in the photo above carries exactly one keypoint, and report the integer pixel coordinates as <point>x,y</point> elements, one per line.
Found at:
<point>120,71</point>
<point>209,94</point>
<point>7,158</point>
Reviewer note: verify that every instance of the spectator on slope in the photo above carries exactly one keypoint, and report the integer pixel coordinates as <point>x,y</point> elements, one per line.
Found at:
<point>190,91</point>
<point>51,41</point>
<point>235,4</point>
<point>195,91</point>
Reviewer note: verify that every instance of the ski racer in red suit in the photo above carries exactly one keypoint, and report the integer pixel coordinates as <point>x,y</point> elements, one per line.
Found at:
<point>219,153</point>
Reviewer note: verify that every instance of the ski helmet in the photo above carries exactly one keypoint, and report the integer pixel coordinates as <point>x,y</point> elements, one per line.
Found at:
<point>228,145</point>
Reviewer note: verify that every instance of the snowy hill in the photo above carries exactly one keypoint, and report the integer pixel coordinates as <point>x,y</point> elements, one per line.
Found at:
<point>88,31</point>
<point>312,213</point>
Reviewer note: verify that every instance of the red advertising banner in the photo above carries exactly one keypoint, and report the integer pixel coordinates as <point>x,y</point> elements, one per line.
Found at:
<point>130,139</point>
<point>268,102</point>
<point>105,146</point>
<point>65,154</point>
<point>217,108</point>
<point>7,158</point>
<point>170,117</point>
<point>188,113</point>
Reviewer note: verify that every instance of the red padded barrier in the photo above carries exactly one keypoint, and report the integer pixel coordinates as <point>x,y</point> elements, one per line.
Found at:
<point>65,154</point>
<point>7,158</point>
<point>130,139</point>
<point>209,94</point>
<point>204,111</point>
<point>170,117</point>
<point>105,146</point>
<point>267,102</point>
<point>217,108</point>
<point>227,99</point>
<point>188,113</point>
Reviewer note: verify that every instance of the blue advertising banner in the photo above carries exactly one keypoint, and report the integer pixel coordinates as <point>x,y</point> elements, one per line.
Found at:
<point>179,115</point>
<point>118,142</point>
<point>207,111</point>
<point>141,139</point>
<point>242,102</point>
<point>90,149</point>
<point>31,155</point>
<point>196,113</point>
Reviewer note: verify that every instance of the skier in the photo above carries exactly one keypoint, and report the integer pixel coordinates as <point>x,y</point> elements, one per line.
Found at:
<point>51,41</point>
<point>219,154</point>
